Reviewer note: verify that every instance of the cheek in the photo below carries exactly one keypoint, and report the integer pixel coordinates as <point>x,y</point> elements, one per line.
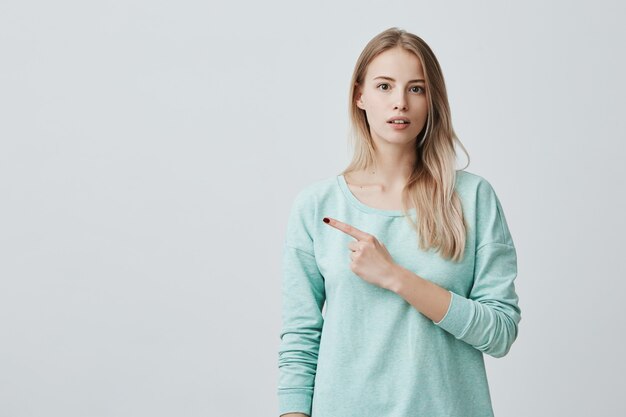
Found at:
<point>420,107</point>
<point>375,108</point>
<point>420,102</point>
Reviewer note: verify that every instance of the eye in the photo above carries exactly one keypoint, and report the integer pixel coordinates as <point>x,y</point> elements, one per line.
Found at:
<point>380,85</point>
<point>417,86</point>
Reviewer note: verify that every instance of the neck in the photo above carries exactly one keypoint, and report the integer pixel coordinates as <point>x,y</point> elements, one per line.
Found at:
<point>391,170</point>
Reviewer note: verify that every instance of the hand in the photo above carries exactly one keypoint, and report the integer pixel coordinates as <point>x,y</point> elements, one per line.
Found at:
<point>370,258</point>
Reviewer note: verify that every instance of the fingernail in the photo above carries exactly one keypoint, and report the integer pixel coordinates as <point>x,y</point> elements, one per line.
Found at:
<point>326,220</point>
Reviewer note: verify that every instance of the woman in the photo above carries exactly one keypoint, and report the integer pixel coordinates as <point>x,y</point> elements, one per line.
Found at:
<point>411,259</point>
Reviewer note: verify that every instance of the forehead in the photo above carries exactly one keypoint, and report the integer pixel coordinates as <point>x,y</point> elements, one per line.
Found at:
<point>396,63</point>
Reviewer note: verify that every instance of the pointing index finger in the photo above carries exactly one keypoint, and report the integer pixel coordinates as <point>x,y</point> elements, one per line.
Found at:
<point>346,228</point>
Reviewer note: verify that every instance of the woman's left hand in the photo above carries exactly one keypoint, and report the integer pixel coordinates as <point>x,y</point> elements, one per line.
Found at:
<point>370,258</point>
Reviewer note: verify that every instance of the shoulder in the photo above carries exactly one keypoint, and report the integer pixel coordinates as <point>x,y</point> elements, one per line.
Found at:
<point>305,212</point>
<point>474,188</point>
<point>310,194</point>
<point>482,204</point>
<point>466,181</point>
<point>313,196</point>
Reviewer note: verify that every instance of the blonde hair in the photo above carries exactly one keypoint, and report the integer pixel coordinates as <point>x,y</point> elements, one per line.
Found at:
<point>430,189</point>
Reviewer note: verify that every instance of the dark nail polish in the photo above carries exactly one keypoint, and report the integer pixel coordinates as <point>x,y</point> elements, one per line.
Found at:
<point>326,220</point>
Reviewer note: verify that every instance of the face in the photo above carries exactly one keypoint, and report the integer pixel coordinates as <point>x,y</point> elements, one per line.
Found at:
<point>394,86</point>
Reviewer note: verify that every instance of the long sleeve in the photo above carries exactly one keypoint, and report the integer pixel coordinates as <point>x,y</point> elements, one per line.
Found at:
<point>303,297</point>
<point>488,319</point>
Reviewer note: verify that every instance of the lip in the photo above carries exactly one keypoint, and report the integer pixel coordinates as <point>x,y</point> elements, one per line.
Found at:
<point>399,126</point>
<point>406,119</point>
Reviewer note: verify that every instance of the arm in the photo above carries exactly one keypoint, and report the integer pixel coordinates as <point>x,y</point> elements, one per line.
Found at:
<point>488,318</point>
<point>427,297</point>
<point>303,296</point>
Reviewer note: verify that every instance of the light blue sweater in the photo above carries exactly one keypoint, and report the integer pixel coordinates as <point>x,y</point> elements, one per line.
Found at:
<point>352,349</point>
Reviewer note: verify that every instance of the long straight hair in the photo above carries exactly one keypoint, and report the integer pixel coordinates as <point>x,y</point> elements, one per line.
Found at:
<point>439,221</point>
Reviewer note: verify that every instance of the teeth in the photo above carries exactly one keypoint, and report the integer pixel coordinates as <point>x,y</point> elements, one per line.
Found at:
<point>398,121</point>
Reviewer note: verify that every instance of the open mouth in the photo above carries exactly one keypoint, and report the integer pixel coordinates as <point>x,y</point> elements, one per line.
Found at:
<point>398,120</point>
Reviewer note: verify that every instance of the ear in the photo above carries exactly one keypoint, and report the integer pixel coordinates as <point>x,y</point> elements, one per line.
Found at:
<point>359,100</point>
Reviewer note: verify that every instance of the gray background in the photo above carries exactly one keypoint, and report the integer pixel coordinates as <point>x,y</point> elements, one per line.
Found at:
<point>150,152</point>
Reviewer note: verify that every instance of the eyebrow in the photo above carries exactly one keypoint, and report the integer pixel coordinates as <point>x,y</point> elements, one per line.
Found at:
<point>391,79</point>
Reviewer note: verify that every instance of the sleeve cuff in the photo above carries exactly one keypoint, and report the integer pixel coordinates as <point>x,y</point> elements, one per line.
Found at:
<point>295,402</point>
<point>459,315</point>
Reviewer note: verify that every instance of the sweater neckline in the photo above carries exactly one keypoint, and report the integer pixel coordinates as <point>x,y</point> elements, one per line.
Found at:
<point>343,185</point>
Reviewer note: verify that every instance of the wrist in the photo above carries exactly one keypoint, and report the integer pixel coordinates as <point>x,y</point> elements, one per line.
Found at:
<point>396,278</point>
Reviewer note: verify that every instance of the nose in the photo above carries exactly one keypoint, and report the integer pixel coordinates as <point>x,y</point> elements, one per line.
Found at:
<point>401,102</point>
